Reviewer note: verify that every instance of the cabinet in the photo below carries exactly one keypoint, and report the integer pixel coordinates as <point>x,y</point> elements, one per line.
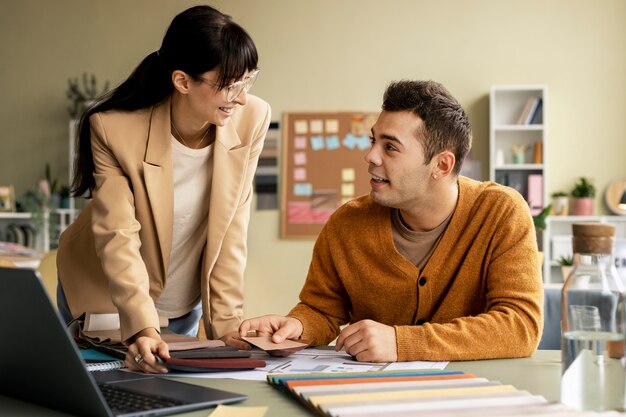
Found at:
<point>557,242</point>
<point>517,148</point>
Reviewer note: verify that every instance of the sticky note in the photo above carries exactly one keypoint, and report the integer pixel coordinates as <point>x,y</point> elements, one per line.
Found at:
<point>317,143</point>
<point>299,158</point>
<point>347,189</point>
<point>332,142</point>
<point>299,142</point>
<point>363,142</point>
<point>347,174</point>
<point>303,189</point>
<point>316,127</point>
<point>332,126</point>
<point>301,127</point>
<point>344,200</point>
<point>299,174</point>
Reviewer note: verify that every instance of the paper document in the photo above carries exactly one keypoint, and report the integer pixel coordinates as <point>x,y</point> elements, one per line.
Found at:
<point>314,360</point>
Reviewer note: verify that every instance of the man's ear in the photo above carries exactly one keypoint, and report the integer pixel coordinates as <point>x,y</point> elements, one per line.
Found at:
<point>445,164</point>
<point>181,81</point>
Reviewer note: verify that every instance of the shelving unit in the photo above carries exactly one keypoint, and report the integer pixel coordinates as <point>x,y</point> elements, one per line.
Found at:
<point>557,242</point>
<point>506,104</point>
<point>62,217</point>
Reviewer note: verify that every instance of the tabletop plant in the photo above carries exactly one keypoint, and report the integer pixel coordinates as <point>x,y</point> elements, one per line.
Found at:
<point>83,93</point>
<point>584,188</point>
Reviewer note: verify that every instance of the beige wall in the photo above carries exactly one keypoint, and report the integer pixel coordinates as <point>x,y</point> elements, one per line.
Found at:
<point>333,55</point>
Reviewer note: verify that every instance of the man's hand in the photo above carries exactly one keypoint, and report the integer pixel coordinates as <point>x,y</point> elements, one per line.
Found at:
<point>279,327</point>
<point>143,352</point>
<point>369,341</point>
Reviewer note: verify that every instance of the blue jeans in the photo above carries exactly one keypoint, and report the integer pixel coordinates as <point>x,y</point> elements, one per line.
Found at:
<point>186,324</point>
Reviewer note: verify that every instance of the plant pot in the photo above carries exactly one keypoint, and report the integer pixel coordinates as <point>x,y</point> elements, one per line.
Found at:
<point>582,206</point>
<point>565,270</point>
<point>560,206</point>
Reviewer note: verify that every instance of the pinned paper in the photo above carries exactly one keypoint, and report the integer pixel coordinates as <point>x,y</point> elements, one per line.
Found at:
<point>301,127</point>
<point>332,142</point>
<point>299,158</point>
<point>303,189</point>
<point>317,143</point>
<point>347,189</point>
<point>347,174</point>
<point>324,199</point>
<point>317,127</point>
<point>332,126</point>
<point>299,174</point>
<point>299,142</point>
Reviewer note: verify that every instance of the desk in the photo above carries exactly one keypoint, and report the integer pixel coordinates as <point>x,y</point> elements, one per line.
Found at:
<point>539,374</point>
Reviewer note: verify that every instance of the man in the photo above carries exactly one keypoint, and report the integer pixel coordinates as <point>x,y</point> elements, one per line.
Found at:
<point>430,265</point>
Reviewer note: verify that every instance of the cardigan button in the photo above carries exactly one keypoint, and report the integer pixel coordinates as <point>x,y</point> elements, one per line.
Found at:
<point>422,281</point>
<point>420,322</point>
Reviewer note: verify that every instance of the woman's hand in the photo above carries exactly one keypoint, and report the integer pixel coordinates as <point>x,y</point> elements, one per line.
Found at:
<point>144,350</point>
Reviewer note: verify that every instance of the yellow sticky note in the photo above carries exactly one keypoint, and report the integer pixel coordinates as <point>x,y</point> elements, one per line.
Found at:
<point>232,411</point>
<point>301,127</point>
<point>316,126</point>
<point>347,174</point>
<point>347,189</point>
<point>332,126</point>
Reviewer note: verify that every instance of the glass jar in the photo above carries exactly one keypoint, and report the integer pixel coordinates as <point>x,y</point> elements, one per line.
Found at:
<point>593,323</point>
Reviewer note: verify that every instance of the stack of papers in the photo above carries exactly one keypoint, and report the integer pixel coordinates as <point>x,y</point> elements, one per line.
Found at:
<point>438,393</point>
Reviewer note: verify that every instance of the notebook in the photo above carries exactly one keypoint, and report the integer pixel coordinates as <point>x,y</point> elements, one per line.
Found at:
<point>39,362</point>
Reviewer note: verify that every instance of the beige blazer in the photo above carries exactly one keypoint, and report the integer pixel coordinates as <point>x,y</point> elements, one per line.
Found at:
<point>114,257</point>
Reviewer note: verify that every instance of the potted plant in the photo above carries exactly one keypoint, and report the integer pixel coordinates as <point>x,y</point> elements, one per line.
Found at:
<point>539,221</point>
<point>83,94</point>
<point>583,193</point>
<point>560,203</point>
<point>566,262</point>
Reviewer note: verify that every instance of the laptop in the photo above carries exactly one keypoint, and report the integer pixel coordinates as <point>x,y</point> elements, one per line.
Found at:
<point>39,363</point>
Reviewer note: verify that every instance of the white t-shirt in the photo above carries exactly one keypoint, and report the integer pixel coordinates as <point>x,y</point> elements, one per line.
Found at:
<point>193,171</point>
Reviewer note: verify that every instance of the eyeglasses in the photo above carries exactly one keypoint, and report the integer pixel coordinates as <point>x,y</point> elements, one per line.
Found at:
<point>232,91</point>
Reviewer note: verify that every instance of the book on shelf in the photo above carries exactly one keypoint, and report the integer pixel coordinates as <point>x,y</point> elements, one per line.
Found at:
<point>530,110</point>
<point>537,116</point>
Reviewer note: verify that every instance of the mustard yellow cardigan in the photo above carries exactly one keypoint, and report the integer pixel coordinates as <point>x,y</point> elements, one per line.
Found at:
<point>480,295</point>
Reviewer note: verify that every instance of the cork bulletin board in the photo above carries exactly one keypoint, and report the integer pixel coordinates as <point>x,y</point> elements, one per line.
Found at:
<point>322,167</point>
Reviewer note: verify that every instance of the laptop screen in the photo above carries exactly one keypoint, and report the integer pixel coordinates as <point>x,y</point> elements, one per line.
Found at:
<point>39,362</point>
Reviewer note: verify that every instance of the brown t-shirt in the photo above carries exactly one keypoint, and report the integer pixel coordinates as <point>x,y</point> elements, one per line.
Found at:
<point>417,247</point>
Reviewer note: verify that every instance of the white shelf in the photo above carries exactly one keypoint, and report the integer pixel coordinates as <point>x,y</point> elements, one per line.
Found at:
<point>506,104</point>
<point>520,167</point>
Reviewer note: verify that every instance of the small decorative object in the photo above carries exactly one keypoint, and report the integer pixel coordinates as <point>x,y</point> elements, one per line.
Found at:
<point>615,196</point>
<point>519,153</point>
<point>83,94</point>
<point>499,157</point>
<point>7,198</point>
<point>560,203</point>
<point>566,262</point>
<point>583,193</point>
<point>538,154</point>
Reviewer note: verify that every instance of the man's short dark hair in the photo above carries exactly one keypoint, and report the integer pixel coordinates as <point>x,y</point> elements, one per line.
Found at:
<point>445,124</point>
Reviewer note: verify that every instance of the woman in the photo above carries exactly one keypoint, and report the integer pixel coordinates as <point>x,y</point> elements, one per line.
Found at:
<point>169,158</point>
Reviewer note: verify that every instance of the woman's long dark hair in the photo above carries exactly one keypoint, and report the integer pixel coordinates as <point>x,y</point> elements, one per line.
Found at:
<point>198,40</point>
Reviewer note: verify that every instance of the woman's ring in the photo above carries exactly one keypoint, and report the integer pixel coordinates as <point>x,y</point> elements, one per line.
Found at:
<point>138,359</point>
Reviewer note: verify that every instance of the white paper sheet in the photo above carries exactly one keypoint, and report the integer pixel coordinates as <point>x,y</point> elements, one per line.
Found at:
<point>311,360</point>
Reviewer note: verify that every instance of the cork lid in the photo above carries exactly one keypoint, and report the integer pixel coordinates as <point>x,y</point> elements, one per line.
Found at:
<point>593,237</point>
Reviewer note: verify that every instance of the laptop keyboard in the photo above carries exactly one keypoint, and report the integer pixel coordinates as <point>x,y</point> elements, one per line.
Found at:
<point>122,401</point>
